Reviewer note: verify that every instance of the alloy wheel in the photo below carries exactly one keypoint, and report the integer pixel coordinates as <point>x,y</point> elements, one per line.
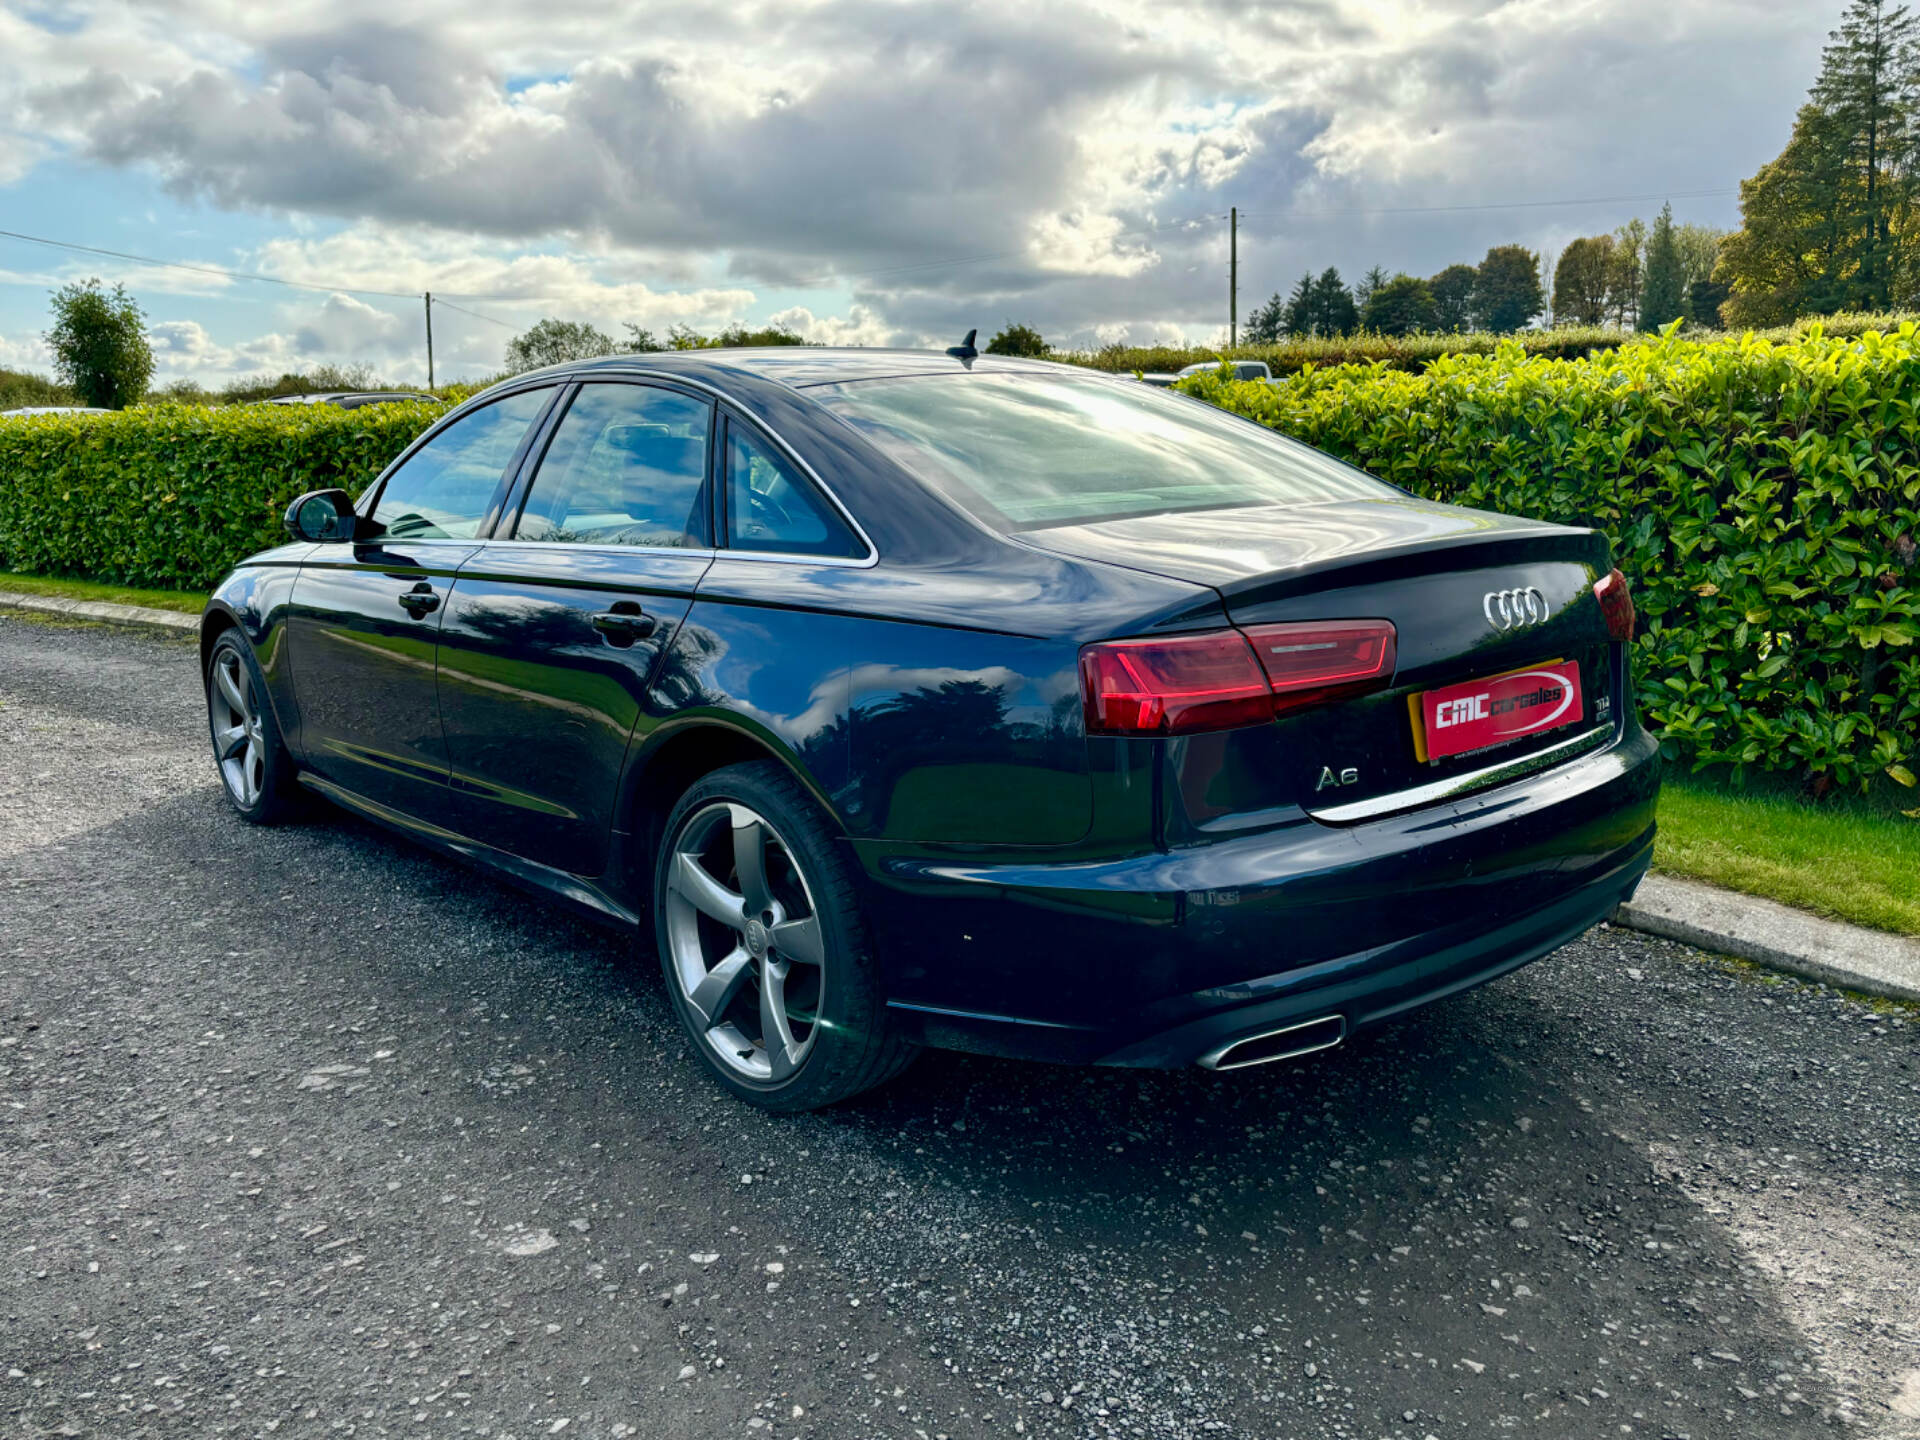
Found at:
<point>239,743</point>
<point>747,949</point>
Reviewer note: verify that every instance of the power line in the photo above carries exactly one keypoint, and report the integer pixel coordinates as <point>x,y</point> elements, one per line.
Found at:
<point>205,269</point>
<point>442,300</point>
<point>1508,205</point>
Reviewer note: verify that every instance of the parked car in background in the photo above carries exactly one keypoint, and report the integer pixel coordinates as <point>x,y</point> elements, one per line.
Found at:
<point>352,399</point>
<point>56,410</point>
<point>904,699</point>
<point>1242,370</point>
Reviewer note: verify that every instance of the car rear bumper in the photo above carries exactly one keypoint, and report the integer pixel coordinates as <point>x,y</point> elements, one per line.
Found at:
<point>1167,958</point>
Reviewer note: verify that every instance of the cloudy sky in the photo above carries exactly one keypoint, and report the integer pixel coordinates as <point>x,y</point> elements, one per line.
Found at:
<point>866,171</point>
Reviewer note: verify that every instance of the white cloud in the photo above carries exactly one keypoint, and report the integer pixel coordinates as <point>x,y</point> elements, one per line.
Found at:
<point>936,165</point>
<point>859,326</point>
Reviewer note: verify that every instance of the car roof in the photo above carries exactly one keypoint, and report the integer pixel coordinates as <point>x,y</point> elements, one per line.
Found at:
<point>802,365</point>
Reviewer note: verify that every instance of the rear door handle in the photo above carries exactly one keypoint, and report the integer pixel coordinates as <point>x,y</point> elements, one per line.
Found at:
<point>420,600</point>
<point>625,623</point>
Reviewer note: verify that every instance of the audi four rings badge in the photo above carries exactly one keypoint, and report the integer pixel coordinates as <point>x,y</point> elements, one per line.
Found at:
<point>1510,609</point>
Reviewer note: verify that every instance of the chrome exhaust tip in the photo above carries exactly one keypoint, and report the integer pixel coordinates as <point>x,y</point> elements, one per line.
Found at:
<point>1286,1043</point>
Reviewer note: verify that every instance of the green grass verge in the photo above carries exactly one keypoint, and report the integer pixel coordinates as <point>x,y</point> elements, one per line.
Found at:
<point>1849,859</point>
<point>186,601</point>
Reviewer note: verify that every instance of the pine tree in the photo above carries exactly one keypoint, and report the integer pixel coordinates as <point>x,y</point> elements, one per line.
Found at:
<point>1370,282</point>
<point>1267,323</point>
<point>1300,309</point>
<point>1663,292</point>
<point>1334,309</point>
<point>1868,86</point>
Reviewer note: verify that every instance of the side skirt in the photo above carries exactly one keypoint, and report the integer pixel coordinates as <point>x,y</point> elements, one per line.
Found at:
<point>576,892</point>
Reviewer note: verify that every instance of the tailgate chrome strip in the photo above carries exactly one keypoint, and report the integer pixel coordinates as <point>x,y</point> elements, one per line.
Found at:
<point>1460,785</point>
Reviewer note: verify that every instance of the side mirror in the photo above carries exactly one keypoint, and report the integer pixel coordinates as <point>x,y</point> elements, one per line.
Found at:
<point>322,515</point>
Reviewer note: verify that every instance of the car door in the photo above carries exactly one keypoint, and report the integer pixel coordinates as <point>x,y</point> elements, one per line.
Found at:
<point>365,615</point>
<point>553,629</point>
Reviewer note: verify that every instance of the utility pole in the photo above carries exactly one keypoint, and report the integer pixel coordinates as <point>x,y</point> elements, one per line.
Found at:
<point>1233,276</point>
<point>429,340</point>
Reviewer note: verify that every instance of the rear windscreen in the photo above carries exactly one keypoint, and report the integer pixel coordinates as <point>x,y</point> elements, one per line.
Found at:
<point>1030,450</point>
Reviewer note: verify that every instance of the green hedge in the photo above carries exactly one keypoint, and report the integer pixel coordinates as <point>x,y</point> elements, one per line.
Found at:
<point>172,495</point>
<point>1402,352</point>
<point>1763,497</point>
<point>1416,352</point>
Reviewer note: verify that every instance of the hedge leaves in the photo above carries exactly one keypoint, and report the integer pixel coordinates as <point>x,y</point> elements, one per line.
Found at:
<point>1763,497</point>
<point>172,495</point>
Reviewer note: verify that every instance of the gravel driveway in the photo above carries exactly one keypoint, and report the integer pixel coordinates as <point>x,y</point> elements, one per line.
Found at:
<point>305,1131</point>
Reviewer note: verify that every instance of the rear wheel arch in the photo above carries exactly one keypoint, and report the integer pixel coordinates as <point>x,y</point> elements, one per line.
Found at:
<point>670,766</point>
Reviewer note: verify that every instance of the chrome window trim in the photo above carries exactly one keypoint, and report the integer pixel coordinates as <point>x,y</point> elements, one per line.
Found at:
<point>777,557</point>
<point>1459,786</point>
<point>707,552</point>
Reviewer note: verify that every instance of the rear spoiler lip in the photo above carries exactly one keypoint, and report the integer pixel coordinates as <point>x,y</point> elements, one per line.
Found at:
<point>1548,542</point>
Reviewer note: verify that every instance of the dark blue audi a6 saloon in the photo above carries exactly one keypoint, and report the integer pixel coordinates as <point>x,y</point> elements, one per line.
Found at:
<point>917,699</point>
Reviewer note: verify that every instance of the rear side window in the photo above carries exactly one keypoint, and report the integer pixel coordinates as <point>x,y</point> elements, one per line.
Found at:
<point>770,506</point>
<point>628,466</point>
<point>1032,450</point>
<point>446,487</point>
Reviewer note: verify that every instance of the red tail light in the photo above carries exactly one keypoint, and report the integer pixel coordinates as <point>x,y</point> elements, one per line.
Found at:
<point>1173,686</point>
<point>1616,603</point>
<point>1226,678</point>
<point>1324,660</point>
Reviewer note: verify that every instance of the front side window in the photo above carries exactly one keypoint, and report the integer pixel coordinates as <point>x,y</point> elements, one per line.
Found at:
<point>1031,450</point>
<point>446,487</point>
<point>771,507</point>
<point>628,466</point>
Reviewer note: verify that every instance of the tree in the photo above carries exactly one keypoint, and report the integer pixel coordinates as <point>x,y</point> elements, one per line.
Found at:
<point>642,341</point>
<point>1868,84</point>
<point>555,342</point>
<point>1299,320</point>
<point>1506,290</point>
<point>1699,252</point>
<point>1706,299</point>
<point>1786,257</point>
<point>1019,340</point>
<point>1400,306</point>
<point>1583,281</point>
<point>1663,292</point>
<point>1453,298</point>
<point>99,344</point>
<point>1828,223</point>
<point>1268,323</point>
<point>1334,311</point>
<point>1370,282</point>
<point>1629,267</point>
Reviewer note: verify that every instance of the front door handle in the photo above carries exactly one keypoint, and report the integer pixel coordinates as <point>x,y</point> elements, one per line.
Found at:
<point>420,600</point>
<point>625,623</point>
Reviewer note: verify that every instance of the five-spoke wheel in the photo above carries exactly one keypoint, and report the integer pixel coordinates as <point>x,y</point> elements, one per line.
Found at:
<point>763,944</point>
<point>745,940</point>
<point>235,714</point>
<point>255,768</point>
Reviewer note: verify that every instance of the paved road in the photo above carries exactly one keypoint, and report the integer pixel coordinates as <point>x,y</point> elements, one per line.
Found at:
<point>307,1132</point>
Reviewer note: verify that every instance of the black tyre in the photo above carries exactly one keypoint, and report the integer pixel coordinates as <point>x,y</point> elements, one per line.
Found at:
<point>761,939</point>
<point>256,772</point>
